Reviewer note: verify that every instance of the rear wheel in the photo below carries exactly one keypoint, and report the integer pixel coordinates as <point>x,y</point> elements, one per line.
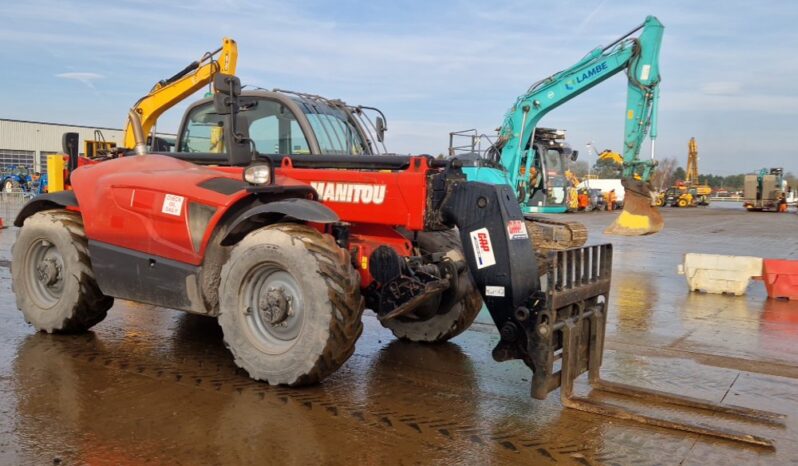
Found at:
<point>290,305</point>
<point>682,202</point>
<point>52,276</point>
<point>459,306</point>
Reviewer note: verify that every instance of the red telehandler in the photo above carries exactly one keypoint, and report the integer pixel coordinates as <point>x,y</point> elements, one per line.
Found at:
<point>286,240</point>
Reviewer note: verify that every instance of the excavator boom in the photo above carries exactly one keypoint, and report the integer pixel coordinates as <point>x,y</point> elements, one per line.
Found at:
<point>639,58</point>
<point>167,93</point>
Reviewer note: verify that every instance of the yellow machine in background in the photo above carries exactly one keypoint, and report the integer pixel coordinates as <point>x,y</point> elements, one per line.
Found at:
<point>611,156</point>
<point>167,93</point>
<point>677,196</point>
<point>142,118</point>
<point>702,191</point>
<point>97,147</point>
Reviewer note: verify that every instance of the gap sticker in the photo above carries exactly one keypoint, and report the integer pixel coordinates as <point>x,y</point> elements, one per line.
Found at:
<point>483,249</point>
<point>497,291</point>
<point>516,230</point>
<point>172,204</point>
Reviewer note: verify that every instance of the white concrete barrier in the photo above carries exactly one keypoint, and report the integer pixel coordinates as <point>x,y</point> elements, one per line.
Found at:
<point>715,273</point>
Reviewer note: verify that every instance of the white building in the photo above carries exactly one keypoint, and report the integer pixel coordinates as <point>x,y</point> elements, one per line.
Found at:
<point>30,142</point>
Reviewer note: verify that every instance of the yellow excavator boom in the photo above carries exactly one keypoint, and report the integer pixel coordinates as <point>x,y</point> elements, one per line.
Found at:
<point>167,93</point>
<point>614,157</point>
<point>691,176</point>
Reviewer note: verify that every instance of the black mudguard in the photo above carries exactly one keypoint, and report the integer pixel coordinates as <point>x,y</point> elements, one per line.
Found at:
<point>304,210</point>
<point>46,201</point>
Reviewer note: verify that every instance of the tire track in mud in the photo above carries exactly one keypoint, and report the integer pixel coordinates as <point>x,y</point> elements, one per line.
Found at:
<point>436,426</point>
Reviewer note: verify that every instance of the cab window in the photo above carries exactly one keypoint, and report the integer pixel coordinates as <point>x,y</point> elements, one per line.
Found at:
<point>272,128</point>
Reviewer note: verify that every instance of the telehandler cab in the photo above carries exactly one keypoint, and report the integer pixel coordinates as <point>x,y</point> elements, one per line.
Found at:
<point>286,247</point>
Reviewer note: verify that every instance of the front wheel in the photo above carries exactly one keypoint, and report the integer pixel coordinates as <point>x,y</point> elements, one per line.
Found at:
<point>52,275</point>
<point>459,305</point>
<point>290,305</point>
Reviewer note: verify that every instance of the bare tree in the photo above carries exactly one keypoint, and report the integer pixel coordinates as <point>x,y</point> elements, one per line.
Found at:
<point>663,174</point>
<point>579,168</point>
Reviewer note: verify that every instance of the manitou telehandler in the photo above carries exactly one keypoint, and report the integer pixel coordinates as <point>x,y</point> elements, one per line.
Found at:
<point>286,247</point>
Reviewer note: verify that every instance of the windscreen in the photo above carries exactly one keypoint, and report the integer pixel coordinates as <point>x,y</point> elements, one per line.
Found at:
<point>335,132</point>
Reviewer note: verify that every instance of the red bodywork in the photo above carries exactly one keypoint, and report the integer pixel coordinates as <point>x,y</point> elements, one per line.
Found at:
<point>127,198</point>
<point>403,204</point>
<point>130,208</point>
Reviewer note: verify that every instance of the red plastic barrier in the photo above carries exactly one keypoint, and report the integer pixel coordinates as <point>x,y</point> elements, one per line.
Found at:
<point>781,278</point>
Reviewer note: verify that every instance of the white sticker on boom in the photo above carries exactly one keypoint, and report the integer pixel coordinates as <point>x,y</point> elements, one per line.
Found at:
<point>483,249</point>
<point>172,204</point>
<point>644,72</point>
<point>497,291</point>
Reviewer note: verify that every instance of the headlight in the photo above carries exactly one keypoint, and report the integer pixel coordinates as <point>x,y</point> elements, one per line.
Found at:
<point>259,173</point>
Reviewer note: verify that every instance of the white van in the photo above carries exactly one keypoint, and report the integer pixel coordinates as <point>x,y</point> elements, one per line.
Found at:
<point>605,185</point>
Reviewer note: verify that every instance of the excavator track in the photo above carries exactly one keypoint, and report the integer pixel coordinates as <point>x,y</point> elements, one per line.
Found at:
<point>555,235</point>
<point>550,235</point>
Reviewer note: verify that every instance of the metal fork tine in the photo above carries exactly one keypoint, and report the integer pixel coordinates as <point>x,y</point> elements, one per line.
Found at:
<point>679,400</point>
<point>582,276</point>
<point>605,409</point>
<point>569,273</point>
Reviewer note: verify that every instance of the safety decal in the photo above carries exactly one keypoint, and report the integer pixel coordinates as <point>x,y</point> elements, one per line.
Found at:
<point>172,205</point>
<point>483,249</point>
<point>516,230</point>
<point>496,291</point>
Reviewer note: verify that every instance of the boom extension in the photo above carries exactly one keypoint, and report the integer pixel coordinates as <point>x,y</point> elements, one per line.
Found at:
<point>562,321</point>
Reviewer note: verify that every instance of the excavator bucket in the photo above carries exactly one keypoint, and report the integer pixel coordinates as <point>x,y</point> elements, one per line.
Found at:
<point>639,217</point>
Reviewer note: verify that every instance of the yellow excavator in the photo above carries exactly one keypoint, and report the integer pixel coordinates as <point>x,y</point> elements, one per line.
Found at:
<point>701,191</point>
<point>139,135</point>
<point>687,193</point>
<point>614,157</point>
<point>167,93</point>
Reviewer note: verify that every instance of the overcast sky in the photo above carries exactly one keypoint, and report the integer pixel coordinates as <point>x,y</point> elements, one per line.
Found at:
<point>728,68</point>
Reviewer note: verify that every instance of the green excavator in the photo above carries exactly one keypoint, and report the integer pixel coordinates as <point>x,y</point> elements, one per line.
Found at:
<point>510,158</point>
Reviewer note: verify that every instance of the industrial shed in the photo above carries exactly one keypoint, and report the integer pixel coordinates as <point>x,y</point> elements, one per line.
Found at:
<point>29,143</point>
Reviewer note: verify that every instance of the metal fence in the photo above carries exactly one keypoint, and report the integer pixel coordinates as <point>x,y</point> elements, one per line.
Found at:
<point>11,204</point>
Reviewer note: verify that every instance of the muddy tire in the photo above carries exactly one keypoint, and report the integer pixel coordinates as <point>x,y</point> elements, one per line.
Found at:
<point>290,305</point>
<point>52,275</point>
<point>456,312</point>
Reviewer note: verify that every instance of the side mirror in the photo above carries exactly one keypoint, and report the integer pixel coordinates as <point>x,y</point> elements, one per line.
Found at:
<point>381,128</point>
<point>226,103</point>
<point>69,145</point>
<point>574,155</point>
<point>228,89</point>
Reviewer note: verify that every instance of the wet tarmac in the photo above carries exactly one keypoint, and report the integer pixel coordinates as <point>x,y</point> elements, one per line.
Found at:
<point>156,386</point>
